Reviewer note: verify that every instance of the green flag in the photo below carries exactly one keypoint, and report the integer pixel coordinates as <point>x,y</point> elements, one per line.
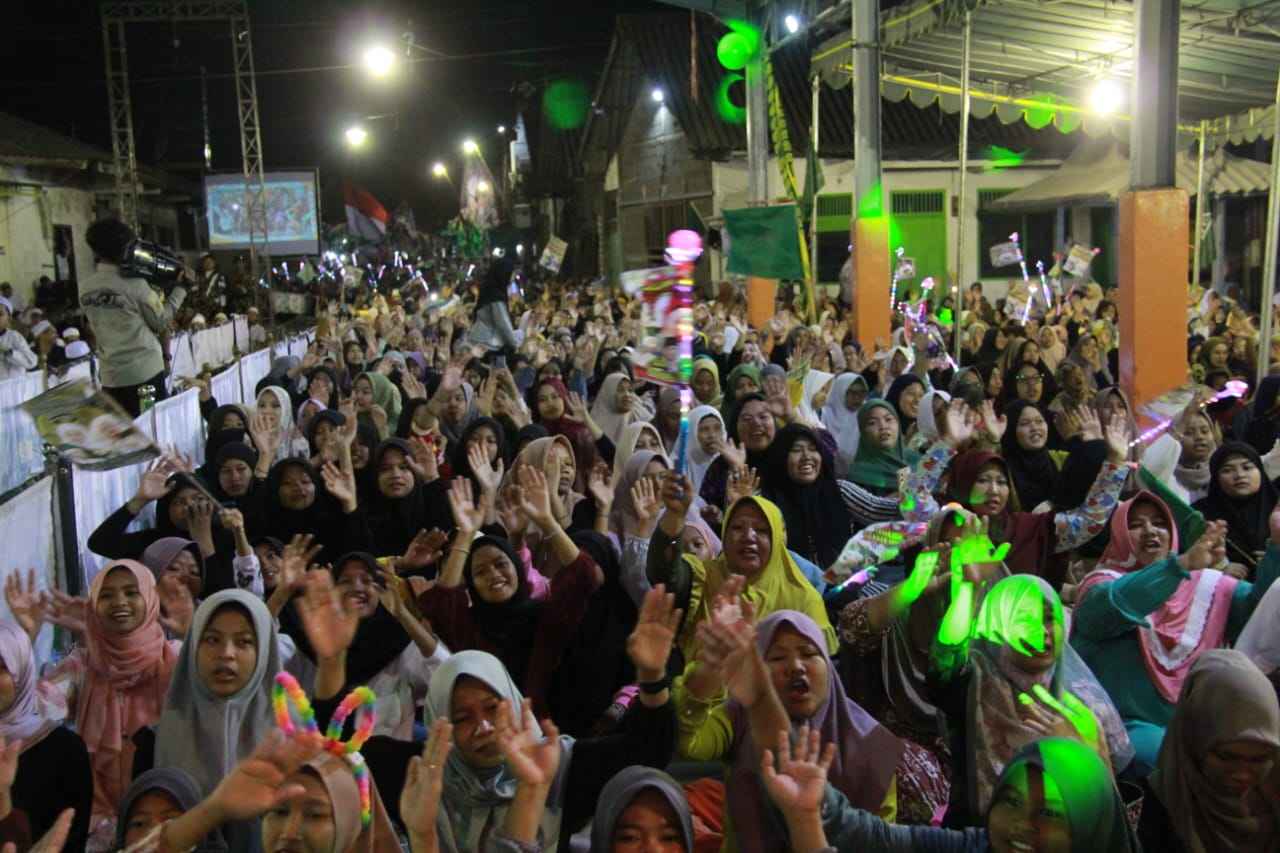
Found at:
<point>763,242</point>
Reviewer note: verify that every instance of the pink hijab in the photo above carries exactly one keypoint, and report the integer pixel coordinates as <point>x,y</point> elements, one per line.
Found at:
<point>125,682</point>
<point>1191,621</point>
<point>22,720</point>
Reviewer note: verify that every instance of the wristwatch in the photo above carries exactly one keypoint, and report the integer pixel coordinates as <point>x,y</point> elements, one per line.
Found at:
<point>652,688</point>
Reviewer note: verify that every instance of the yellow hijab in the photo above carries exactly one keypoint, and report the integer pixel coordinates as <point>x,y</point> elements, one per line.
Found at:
<point>781,586</point>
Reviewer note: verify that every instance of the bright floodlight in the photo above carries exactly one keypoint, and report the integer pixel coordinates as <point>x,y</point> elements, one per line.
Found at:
<point>356,136</point>
<point>1106,97</point>
<point>502,128</point>
<point>469,146</point>
<point>792,23</point>
<point>483,187</point>
<point>519,248</point>
<point>658,95</point>
<point>439,170</point>
<point>379,59</point>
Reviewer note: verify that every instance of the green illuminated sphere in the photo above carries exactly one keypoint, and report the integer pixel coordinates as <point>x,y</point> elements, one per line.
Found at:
<point>734,51</point>
<point>565,104</point>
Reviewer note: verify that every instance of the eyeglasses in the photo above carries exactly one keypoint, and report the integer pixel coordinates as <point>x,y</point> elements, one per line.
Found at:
<point>1034,378</point>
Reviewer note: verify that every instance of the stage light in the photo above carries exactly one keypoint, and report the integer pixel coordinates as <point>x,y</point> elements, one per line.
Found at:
<point>439,170</point>
<point>469,147</point>
<point>792,23</point>
<point>356,136</point>
<point>502,128</point>
<point>1106,97</point>
<point>379,60</point>
<point>658,96</point>
<point>482,187</point>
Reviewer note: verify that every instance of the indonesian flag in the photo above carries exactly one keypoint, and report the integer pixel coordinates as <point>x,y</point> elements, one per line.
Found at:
<point>366,217</point>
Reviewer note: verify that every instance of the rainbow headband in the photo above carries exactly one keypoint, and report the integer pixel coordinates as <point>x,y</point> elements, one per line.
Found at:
<point>286,690</point>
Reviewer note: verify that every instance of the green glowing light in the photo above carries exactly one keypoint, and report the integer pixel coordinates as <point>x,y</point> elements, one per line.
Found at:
<point>1000,158</point>
<point>1014,614</point>
<point>871,205</point>
<point>908,503</point>
<point>738,46</point>
<point>945,317</point>
<point>565,104</point>
<point>728,110</point>
<point>1043,113</point>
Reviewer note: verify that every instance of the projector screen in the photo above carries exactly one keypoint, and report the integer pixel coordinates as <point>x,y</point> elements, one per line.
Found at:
<point>292,214</point>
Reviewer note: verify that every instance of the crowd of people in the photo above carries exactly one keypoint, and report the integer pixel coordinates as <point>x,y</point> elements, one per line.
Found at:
<point>459,580</point>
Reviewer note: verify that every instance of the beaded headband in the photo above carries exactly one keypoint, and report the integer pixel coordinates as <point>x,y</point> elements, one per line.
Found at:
<point>286,690</point>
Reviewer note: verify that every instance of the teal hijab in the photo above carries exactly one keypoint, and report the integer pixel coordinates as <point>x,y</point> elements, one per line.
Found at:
<point>875,467</point>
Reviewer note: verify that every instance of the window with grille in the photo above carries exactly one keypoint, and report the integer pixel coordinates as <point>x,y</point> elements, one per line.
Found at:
<point>906,203</point>
<point>1035,232</point>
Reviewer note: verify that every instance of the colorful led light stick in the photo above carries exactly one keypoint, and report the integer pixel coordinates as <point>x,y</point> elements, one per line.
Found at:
<point>893,288</point>
<point>683,250</point>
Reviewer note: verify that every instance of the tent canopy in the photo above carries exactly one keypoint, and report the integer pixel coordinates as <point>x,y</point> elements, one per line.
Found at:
<point>1097,173</point>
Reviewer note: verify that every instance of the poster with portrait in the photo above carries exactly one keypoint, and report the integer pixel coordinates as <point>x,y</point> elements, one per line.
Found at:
<point>665,315</point>
<point>89,428</point>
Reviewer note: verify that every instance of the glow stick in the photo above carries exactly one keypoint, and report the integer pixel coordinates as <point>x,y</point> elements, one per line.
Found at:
<point>1233,388</point>
<point>893,289</point>
<point>1044,285</point>
<point>683,250</point>
<point>1022,262</point>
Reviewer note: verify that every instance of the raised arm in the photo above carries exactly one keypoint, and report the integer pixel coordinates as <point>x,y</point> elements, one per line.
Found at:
<point>1073,528</point>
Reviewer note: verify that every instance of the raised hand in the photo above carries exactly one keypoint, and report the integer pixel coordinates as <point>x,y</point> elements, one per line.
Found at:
<point>992,424</point>
<point>1117,434</point>
<point>599,488</point>
<point>452,378</point>
<point>328,624</point>
<point>412,387</point>
<point>340,483</point>
<point>466,514</point>
<point>426,548</point>
<point>257,784</point>
<point>155,481</point>
<point>1090,426</point>
<point>743,483</point>
<point>735,455</point>
<point>799,780</point>
<point>958,424</point>
<point>577,409</point>
<point>922,572</point>
<point>1209,550</point>
<point>1068,423</point>
<point>490,478</point>
<point>266,437</point>
<point>295,559</point>
<point>650,642</point>
<point>425,462</point>
<point>52,841</point>
<point>510,513</point>
<point>177,607</point>
<point>347,408</point>
<point>644,501</point>
<point>24,601</point>
<point>533,759</point>
<point>1070,717</point>
<point>65,611</point>
<point>677,493</point>
<point>535,497</point>
<point>424,782</point>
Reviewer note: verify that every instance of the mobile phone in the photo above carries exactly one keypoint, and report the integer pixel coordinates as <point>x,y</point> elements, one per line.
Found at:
<point>500,361</point>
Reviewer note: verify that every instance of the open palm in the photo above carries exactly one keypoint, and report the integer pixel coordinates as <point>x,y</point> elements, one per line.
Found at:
<point>799,781</point>
<point>532,757</point>
<point>329,625</point>
<point>424,783</point>
<point>650,642</point>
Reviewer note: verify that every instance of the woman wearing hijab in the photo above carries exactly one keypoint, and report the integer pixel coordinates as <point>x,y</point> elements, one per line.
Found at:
<point>378,402</point>
<point>393,653</point>
<point>904,397</point>
<point>472,688</point>
<point>153,798</point>
<point>490,437</point>
<point>623,518</point>
<point>639,802</point>
<point>1144,614</point>
<point>1242,494</point>
<point>323,385</point>
<point>666,417</point>
<point>482,598</point>
<point>799,478</point>
<point>882,452</point>
<point>115,684</point>
<point>994,343</point>
<point>615,406</point>
<point>752,423</point>
<point>1032,383</point>
<point>417,419</point>
<point>706,382</point>
<point>553,456</point>
<point>551,409</point>
<point>1052,348</point>
<point>53,771</point>
<point>276,430</point>
<point>233,483</point>
<point>933,406</point>
<point>230,416</point>
<point>707,435</point>
<point>840,415</point>
<point>1054,795</point>
<point>803,689</point>
<point>400,503</point>
<point>296,502</point>
<point>1090,357</point>
<point>979,480</point>
<point>176,495</point>
<point>743,380</point>
<point>1024,448</point>
<point>1210,787</point>
<point>218,709</point>
<point>1018,644</point>
<point>1198,436</point>
<point>637,436</point>
<point>456,409</point>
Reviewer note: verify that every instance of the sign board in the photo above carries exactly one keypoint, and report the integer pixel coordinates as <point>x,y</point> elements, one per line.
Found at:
<point>906,269</point>
<point>290,303</point>
<point>1005,254</point>
<point>553,254</point>
<point>88,427</point>
<point>1078,261</point>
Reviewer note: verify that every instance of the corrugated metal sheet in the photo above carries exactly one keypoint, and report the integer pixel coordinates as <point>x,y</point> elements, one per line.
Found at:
<point>24,142</point>
<point>1098,172</point>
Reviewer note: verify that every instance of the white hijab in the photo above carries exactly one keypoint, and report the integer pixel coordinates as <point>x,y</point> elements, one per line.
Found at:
<point>699,460</point>
<point>814,381</point>
<point>926,425</point>
<point>842,421</point>
<point>285,430</point>
<point>604,411</point>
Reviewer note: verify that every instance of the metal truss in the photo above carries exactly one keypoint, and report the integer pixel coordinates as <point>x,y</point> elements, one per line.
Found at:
<point>121,110</point>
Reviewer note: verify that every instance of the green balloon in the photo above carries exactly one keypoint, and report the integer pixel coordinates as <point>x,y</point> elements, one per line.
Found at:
<point>565,103</point>
<point>734,51</point>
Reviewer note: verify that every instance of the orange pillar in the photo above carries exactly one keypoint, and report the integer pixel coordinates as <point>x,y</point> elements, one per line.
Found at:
<point>1154,257</point>
<point>869,320</point>
<point>761,301</point>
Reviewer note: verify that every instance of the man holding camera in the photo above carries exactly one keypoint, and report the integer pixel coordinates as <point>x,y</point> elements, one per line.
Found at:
<point>128,317</point>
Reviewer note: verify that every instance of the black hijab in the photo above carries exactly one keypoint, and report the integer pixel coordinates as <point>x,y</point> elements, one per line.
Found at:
<point>322,519</point>
<point>379,640</point>
<point>460,465</point>
<point>393,522</point>
<point>219,415</point>
<point>595,664</point>
<point>1009,390</point>
<point>988,353</point>
<point>894,394</point>
<point>1035,477</point>
<point>1262,430</point>
<point>233,450</point>
<point>1248,518</point>
<point>213,446</point>
<point>510,626</point>
<point>404,427</point>
<point>817,521</point>
<point>332,402</point>
<point>329,416</point>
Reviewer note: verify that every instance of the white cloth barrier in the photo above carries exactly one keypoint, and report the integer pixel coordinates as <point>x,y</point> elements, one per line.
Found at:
<point>177,423</point>
<point>182,363</point>
<point>213,347</point>
<point>27,534</point>
<point>20,444</point>
<point>252,368</point>
<point>100,493</point>
<point>240,332</point>
<point>225,386</point>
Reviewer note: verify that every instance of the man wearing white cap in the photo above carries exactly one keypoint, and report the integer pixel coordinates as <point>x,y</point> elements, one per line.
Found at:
<point>16,358</point>
<point>75,348</point>
<point>47,346</point>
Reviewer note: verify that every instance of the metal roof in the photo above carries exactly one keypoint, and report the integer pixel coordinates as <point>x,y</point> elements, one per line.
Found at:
<point>1098,173</point>
<point>26,143</point>
<point>1027,52</point>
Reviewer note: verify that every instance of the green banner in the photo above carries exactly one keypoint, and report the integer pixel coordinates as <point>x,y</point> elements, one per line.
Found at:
<point>763,242</point>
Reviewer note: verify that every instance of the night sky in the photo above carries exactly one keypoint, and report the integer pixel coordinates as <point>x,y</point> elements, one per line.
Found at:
<point>51,72</point>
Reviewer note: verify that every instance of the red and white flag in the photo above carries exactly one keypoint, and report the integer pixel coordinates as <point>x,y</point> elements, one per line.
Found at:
<point>366,217</point>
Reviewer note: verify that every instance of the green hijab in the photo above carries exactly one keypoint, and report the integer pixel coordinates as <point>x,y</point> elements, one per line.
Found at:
<point>874,467</point>
<point>385,395</point>
<point>730,396</point>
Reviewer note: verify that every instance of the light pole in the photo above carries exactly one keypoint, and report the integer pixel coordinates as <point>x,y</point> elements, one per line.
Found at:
<point>439,171</point>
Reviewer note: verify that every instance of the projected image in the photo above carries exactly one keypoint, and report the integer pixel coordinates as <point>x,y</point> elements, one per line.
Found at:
<point>291,212</point>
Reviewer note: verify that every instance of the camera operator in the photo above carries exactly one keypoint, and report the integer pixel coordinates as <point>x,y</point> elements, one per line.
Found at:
<point>127,316</point>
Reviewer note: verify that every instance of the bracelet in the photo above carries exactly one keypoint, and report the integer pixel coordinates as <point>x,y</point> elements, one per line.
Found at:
<point>463,550</point>
<point>652,688</point>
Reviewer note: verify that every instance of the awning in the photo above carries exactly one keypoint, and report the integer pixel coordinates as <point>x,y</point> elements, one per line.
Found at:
<point>1038,60</point>
<point>1098,173</point>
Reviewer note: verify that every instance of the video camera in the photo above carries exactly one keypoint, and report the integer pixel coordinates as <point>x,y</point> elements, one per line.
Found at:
<point>160,266</point>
